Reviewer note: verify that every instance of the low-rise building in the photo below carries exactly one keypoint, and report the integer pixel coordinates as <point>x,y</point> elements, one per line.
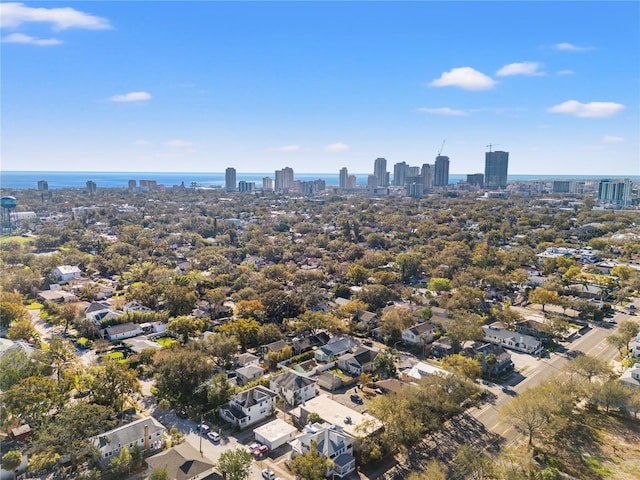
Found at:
<point>512,340</point>
<point>419,334</point>
<point>631,376</point>
<point>183,462</point>
<point>359,361</point>
<point>64,273</point>
<point>248,374</point>
<point>293,387</point>
<point>146,433</point>
<point>122,331</point>
<point>332,350</point>
<point>249,407</point>
<point>332,442</point>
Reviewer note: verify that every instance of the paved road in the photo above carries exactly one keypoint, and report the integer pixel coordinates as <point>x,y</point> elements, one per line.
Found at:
<point>593,342</point>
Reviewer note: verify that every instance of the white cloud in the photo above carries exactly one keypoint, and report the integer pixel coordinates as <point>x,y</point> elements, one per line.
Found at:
<point>443,111</point>
<point>568,47</point>
<point>22,38</point>
<point>142,143</point>
<point>522,68</point>
<point>336,147</point>
<point>288,148</point>
<point>565,72</point>
<point>14,14</point>
<point>612,139</point>
<point>587,110</point>
<point>464,77</point>
<point>131,97</point>
<point>179,143</point>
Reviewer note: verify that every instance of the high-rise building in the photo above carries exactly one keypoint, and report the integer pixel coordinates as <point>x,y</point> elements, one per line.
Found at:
<point>563,186</point>
<point>43,185</point>
<point>372,182</point>
<point>427,176</point>
<point>351,182</point>
<point>380,171</point>
<point>230,179</point>
<point>284,179</point>
<point>496,165</point>
<point>344,178</point>
<point>476,179</point>
<point>91,186</point>
<point>615,192</point>
<point>132,184</point>
<point>244,186</point>
<point>400,171</point>
<point>267,183</point>
<point>441,173</point>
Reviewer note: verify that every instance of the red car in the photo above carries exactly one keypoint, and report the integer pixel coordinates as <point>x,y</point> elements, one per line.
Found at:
<point>260,451</point>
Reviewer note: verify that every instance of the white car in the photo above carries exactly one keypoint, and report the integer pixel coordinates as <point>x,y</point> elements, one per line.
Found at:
<point>268,474</point>
<point>214,436</point>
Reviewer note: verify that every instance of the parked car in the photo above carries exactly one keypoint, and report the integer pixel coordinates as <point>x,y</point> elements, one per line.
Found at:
<point>268,474</point>
<point>214,436</point>
<point>204,429</point>
<point>253,446</point>
<point>260,451</point>
<point>355,398</point>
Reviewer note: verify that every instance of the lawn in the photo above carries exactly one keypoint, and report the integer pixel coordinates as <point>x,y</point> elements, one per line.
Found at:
<point>18,239</point>
<point>165,341</point>
<point>34,306</point>
<point>115,356</point>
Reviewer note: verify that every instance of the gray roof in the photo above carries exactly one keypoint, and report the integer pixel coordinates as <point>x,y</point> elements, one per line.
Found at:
<point>254,395</point>
<point>179,464</point>
<point>291,381</point>
<point>249,370</point>
<point>122,328</point>
<point>128,433</point>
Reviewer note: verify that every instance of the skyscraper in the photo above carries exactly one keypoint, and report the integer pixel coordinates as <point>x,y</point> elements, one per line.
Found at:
<point>441,174</point>
<point>400,171</point>
<point>615,192</point>
<point>344,178</point>
<point>284,179</point>
<point>380,171</point>
<point>230,179</point>
<point>496,165</point>
<point>427,176</point>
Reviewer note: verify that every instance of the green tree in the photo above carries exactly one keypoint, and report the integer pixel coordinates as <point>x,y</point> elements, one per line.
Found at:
<point>588,367</point>
<point>32,398</point>
<point>185,327</point>
<point>180,372</point>
<point>179,300</point>
<point>385,363</point>
<point>543,296</point>
<point>609,394</point>
<point>410,265</point>
<point>125,459</point>
<point>434,471</point>
<point>22,330</point>
<point>314,321</point>
<point>11,461</point>
<point>159,473</point>
<point>617,341</point>
<point>628,330</point>
<point>439,284</point>
<point>470,462</point>
<point>222,346</point>
<point>529,412</point>
<point>112,383</point>
<point>376,296</point>
<point>136,456</point>
<point>219,390</point>
<point>311,465</point>
<point>245,330</point>
<point>12,312</point>
<point>235,464</point>
<point>461,365</point>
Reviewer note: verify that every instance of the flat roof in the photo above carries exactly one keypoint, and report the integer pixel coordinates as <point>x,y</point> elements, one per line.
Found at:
<point>275,430</point>
<point>333,412</point>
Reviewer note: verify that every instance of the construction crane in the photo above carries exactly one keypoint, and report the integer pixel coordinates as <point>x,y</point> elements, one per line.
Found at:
<point>441,147</point>
<point>491,145</point>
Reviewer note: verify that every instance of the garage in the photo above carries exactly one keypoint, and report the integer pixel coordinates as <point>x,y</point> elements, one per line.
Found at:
<point>275,433</point>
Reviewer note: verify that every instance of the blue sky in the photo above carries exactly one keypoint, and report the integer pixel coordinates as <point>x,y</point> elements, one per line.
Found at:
<point>201,86</point>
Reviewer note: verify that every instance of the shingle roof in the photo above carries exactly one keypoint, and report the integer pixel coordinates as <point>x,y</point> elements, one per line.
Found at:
<point>129,433</point>
<point>291,381</point>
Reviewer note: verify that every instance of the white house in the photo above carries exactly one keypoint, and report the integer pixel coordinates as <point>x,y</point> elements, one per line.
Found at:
<point>122,331</point>
<point>64,273</point>
<point>246,359</point>
<point>419,334</point>
<point>514,341</point>
<point>248,374</point>
<point>293,388</point>
<point>146,433</point>
<point>635,347</point>
<point>359,361</point>
<point>334,349</point>
<point>631,376</point>
<point>249,407</point>
<point>332,441</point>
<point>275,433</point>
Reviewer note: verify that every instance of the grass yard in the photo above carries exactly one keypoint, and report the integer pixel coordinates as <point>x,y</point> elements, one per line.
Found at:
<point>165,342</point>
<point>34,306</point>
<point>115,356</point>
<point>17,239</point>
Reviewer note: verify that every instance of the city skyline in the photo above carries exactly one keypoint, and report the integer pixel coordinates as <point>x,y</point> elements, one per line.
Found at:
<point>319,86</point>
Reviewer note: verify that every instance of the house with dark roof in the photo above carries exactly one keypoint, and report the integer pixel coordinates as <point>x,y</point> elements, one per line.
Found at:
<point>533,328</point>
<point>275,347</point>
<point>494,359</point>
<point>304,343</point>
<point>419,334</point>
<point>145,432</point>
<point>293,387</point>
<point>443,347</point>
<point>249,407</point>
<point>183,462</point>
<point>359,361</point>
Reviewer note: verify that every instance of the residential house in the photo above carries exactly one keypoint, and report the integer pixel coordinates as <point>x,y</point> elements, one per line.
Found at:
<point>145,432</point>
<point>631,376</point>
<point>55,295</point>
<point>365,321</point>
<point>122,331</point>
<point>248,374</point>
<point>359,361</point>
<point>533,328</point>
<point>293,387</point>
<point>512,340</point>
<point>419,334</point>
<point>421,370</point>
<point>183,462</point>
<point>64,273</point>
<point>635,347</point>
<point>274,347</point>
<point>98,311</point>
<point>336,347</point>
<point>439,312</point>
<point>135,307</point>
<point>246,359</point>
<point>304,343</point>
<point>249,407</point>
<point>332,442</point>
<point>443,347</point>
<point>494,359</point>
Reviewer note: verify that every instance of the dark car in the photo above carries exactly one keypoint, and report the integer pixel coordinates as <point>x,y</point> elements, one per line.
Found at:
<point>355,398</point>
